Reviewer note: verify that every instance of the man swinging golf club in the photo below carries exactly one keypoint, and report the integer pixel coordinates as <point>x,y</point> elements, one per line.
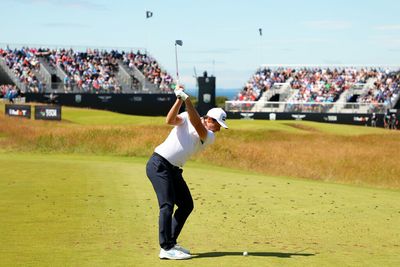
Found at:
<point>190,134</point>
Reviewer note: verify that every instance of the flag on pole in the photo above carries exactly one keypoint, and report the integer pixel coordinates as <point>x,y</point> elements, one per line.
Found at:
<point>260,31</point>
<point>179,42</point>
<point>149,14</point>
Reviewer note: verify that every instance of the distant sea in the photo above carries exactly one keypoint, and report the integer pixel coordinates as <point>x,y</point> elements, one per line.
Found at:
<point>228,93</point>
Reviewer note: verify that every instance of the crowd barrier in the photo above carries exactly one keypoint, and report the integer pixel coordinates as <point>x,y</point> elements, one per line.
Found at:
<point>364,119</point>
<point>134,104</point>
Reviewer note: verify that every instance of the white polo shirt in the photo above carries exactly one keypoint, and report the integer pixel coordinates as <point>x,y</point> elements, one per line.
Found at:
<point>182,142</point>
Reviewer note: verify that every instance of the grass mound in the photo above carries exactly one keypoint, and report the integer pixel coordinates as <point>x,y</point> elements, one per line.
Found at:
<point>328,152</point>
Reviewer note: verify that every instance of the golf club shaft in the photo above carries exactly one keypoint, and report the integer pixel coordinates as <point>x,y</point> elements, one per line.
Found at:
<point>176,62</point>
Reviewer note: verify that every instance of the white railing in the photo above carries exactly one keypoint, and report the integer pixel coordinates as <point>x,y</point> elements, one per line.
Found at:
<point>256,106</point>
<point>80,48</point>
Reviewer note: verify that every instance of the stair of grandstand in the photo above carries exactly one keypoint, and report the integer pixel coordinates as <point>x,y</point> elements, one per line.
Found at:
<point>11,75</point>
<point>128,79</point>
<point>397,105</point>
<point>60,73</point>
<point>44,73</point>
<point>395,101</point>
<point>369,85</point>
<point>53,75</point>
<point>129,75</point>
<point>349,100</point>
<point>57,75</point>
<point>275,98</point>
<point>278,90</point>
<point>285,91</point>
<point>4,77</point>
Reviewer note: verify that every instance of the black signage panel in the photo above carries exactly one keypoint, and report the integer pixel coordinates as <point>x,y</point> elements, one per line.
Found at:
<point>48,112</point>
<point>23,111</point>
<point>135,104</point>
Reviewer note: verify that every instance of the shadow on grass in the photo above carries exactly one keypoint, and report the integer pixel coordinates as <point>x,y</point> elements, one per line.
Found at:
<point>251,254</point>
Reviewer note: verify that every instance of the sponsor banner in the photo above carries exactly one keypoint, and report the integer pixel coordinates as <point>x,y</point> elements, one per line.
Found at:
<point>342,118</point>
<point>164,99</point>
<point>207,98</point>
<point>136,99</point>
<point>247,116</point>
<point>361,118</point>
<point>78,98</point>
<point>298,117</point>
<point>18,110</point>
<point>48,113</point>
<point>52,98</point>
<point>135,103</point>
<point>105,98</point>
<point>330,118</point>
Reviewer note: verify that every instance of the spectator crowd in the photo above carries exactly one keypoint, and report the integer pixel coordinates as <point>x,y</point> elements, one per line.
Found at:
<point>386,88</point>
<point>150,68</point>
<point>96,71</point>
<point>91,71</point>
<point>9,92</point>
<point>262,81</point>
<point>24,64</point>
<point>324,85</point>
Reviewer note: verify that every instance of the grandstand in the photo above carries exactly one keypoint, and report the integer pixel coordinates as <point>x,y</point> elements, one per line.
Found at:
<point>45,70</point>
<point>329,89</point>
<point>43,74</point>
<point>122,81</point>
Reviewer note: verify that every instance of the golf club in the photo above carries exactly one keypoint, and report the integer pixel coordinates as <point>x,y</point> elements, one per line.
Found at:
<point>180,43</point>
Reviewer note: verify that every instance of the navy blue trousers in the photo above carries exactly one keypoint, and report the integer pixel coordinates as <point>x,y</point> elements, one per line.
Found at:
<point>171,190</point>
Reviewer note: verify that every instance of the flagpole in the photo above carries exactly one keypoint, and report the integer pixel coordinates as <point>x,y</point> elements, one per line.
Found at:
<point>149,14</point>
<point>147,35</point>
<point>260,48</point>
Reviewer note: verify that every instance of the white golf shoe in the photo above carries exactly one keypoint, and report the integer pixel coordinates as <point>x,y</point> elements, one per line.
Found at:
<point>184,250</point>
<point>174,254</point>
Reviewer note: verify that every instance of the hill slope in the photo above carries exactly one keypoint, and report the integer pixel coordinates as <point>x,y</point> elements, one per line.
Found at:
<point>340,153</point>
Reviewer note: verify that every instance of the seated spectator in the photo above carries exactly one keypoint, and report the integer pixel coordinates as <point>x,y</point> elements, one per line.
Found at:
<point>89,71</point>
<point>23,63</point>
<point>262,81</point>
<point>150,69</point>
<point>10,92</point>
<point>385,90</point>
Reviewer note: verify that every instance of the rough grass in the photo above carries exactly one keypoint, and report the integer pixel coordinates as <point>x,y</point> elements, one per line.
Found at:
<point>337,153</point>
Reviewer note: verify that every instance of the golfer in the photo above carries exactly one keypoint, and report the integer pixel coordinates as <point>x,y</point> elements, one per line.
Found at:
<point>191,134</point>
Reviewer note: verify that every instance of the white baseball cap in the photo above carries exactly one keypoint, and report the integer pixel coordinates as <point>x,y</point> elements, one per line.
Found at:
<point>219,115</point>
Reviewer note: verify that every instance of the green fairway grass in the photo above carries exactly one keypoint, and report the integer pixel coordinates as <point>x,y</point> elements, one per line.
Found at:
<point>102,117</point>
<point>75,210</point>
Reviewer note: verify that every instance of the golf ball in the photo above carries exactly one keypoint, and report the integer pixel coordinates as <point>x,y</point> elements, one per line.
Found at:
<point>245,253</point>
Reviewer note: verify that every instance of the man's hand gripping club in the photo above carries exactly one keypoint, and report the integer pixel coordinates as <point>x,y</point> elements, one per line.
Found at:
<point>180,94</point>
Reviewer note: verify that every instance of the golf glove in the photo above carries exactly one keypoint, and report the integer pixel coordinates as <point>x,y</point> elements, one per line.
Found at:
<point>181,94</point>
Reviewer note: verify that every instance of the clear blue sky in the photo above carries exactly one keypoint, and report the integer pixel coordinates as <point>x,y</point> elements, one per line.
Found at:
<point>220,36</point>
